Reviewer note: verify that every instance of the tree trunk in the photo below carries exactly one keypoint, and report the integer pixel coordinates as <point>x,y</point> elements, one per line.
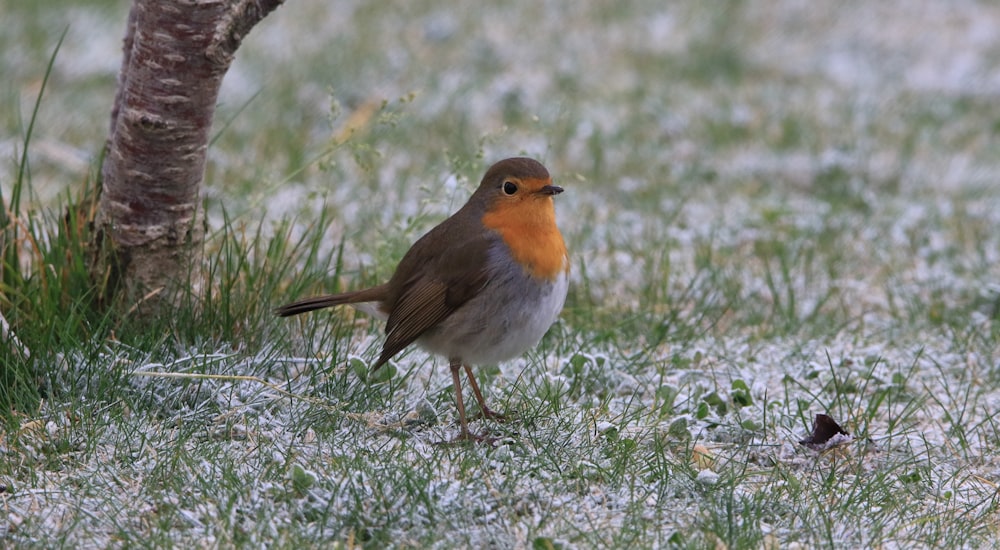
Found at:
<point>148,227</point>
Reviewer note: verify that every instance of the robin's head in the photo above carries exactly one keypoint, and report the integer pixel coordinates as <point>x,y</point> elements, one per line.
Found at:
<point>517,193</point>
<point>517,183</point>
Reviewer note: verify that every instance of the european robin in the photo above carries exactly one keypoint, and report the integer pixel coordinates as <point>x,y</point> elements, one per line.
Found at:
<point>482,287</point>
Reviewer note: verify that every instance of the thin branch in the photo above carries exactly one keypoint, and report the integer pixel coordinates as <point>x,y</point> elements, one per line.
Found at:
<point>236,378</point>
<point>229,34</point>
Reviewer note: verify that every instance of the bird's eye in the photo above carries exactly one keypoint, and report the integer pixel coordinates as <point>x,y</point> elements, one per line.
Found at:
<point>509,188</point>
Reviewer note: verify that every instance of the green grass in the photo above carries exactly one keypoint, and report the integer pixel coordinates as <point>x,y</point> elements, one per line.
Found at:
<point>757,236</point>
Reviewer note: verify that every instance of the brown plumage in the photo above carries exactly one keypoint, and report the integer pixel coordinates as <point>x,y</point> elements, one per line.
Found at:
<point>483,286</point>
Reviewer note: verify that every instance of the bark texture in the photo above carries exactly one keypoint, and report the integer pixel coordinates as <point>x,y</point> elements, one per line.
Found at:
<point>148,228</point>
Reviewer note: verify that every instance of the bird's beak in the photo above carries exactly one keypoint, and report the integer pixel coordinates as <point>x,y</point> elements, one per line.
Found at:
<point>551,190</point>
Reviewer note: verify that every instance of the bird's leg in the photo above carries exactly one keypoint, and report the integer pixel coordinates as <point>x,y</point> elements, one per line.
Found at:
<point>486,411</point>
<point>465,434</point>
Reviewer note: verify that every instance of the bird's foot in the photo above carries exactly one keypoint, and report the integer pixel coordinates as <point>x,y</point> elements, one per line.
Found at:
<point>466,437</point>
<point>489,413</point>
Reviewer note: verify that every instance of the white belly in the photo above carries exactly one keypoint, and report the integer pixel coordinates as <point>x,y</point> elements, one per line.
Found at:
<point>503,322</point>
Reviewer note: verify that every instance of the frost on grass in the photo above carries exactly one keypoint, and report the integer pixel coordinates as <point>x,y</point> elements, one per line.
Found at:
<point>594,449</point>
<point>775,209</point>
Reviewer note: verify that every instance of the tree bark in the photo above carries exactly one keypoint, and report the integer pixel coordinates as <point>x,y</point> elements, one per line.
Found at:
<point>148,228</point>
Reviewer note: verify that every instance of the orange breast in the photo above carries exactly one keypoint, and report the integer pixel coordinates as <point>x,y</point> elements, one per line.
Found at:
<point>528,227</point>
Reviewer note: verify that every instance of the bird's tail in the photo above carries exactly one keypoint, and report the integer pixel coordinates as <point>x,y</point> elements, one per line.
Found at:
<point>374,294</point>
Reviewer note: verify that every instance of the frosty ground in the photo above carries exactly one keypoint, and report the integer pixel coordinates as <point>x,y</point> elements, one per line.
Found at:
<point>775,209</point>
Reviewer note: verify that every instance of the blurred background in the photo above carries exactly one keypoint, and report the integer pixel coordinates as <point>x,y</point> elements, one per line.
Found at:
<point>669,122</point>
<point>774,208</point>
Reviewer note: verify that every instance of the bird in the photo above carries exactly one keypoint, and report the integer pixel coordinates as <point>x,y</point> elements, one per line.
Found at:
<point>482,287</point>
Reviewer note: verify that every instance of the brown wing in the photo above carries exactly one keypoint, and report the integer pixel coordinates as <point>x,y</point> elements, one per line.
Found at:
<point>434,279</point>
<point>426,299</point>
<point>421,307</point>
